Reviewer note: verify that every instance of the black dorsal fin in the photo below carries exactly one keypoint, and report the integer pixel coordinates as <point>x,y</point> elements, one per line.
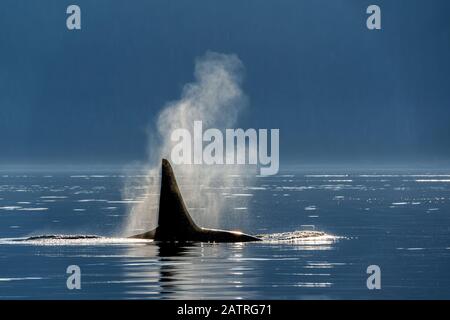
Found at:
<point>174,221</point>
<point>173,218</point>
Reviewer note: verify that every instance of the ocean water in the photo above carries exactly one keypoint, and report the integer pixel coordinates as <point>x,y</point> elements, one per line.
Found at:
<point>397,220</point>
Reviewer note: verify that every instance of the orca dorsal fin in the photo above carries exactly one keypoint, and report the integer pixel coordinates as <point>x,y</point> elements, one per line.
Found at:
<point>173,218</point>
<point>174,221</point>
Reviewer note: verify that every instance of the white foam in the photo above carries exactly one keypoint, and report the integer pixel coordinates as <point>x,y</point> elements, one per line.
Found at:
<point>301,237</point>
<point>70,240</point>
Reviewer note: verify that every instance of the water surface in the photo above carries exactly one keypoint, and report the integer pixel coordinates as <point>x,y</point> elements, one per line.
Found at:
<point>398,220</point>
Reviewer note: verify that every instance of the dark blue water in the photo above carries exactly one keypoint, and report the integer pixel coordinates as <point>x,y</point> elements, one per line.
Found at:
<point>398,220</point>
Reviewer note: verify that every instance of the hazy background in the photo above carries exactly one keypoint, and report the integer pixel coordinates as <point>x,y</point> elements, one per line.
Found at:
<point>338,92</point>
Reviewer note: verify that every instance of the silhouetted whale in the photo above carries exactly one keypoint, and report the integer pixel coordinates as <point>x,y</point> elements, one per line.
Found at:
<point>174,222</point>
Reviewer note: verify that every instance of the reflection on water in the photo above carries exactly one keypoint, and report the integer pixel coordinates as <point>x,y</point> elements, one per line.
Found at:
<point>148,269</point>
<point>397,220</point>
<point>212,271</point>
<point>170,271</point>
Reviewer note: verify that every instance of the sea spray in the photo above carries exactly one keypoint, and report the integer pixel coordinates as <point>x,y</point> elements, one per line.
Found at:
<point>215,97</point>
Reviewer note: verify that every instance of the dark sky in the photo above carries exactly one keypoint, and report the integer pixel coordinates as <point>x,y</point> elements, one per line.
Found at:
<point>337,91</point>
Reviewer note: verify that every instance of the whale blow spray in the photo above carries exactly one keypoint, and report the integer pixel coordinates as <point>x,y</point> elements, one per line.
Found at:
<point>216,98</point>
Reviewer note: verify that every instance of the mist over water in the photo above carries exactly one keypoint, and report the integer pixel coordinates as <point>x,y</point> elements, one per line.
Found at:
<point>215,97</point>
